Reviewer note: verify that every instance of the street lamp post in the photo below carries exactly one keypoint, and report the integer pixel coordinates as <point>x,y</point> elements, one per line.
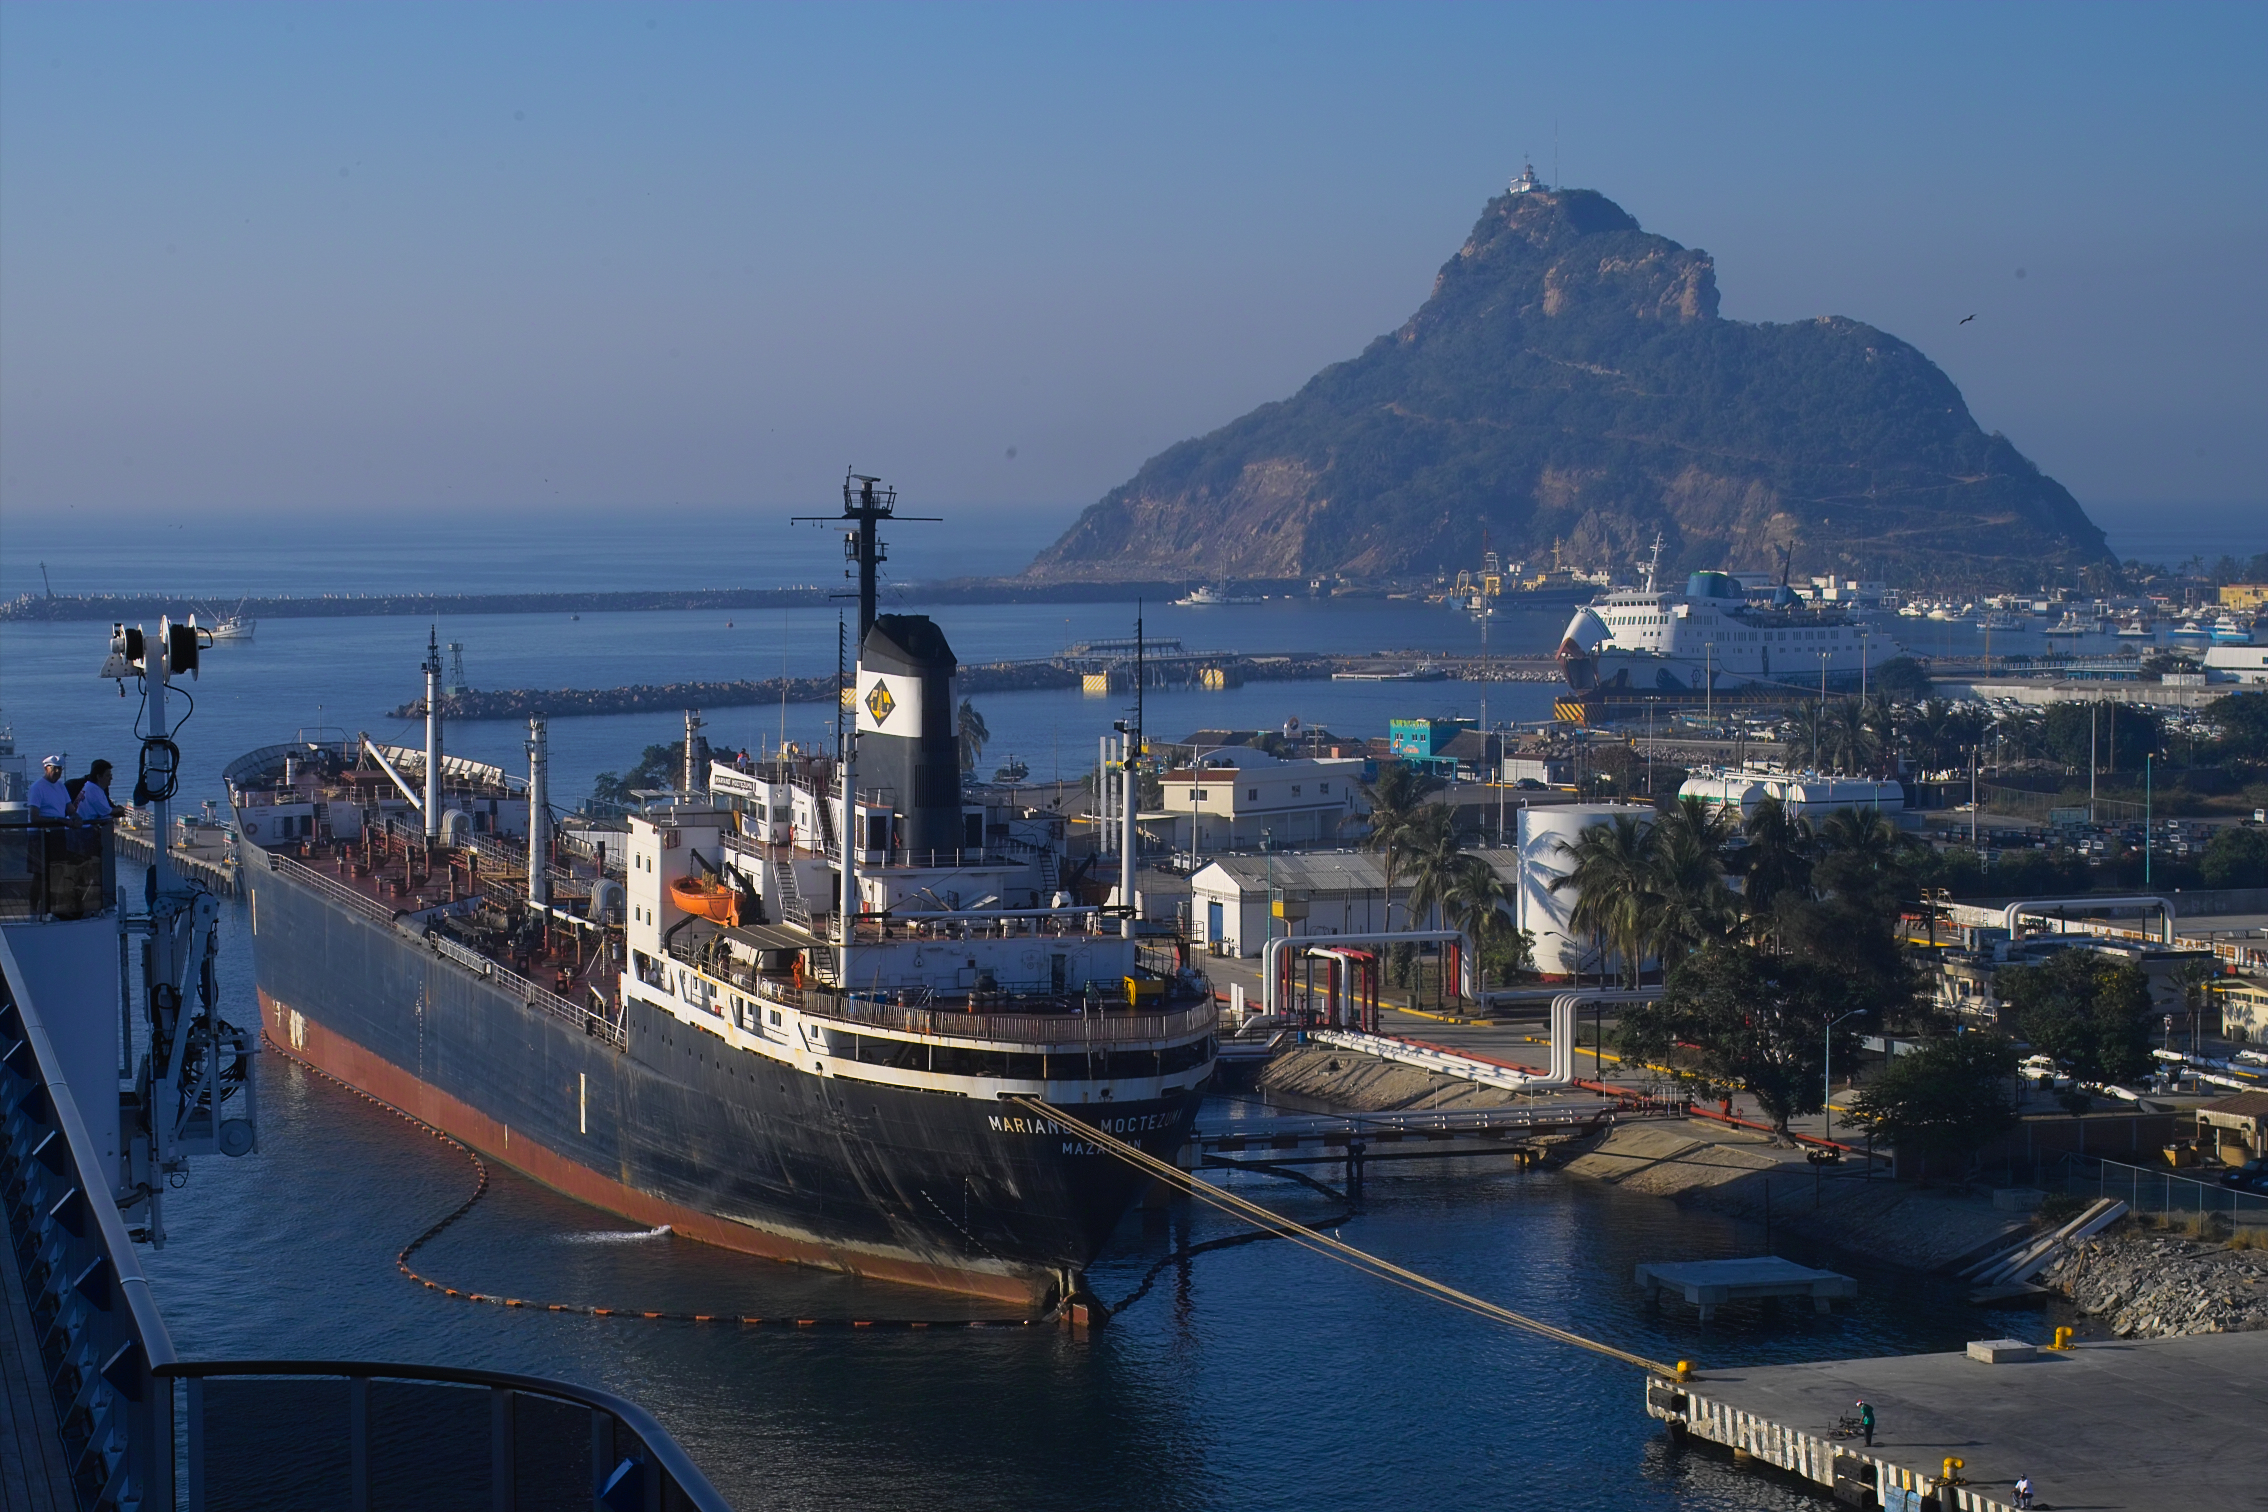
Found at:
<point>1827,1098</point>
<point>2148,837</point>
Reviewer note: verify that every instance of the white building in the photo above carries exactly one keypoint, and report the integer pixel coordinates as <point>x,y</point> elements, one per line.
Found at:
<point>1235,798</point>
<point>2244,664</point>
<point>1327,892</point>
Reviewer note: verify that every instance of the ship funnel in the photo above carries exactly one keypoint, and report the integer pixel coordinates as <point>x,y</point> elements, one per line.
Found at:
<point>907,742</point>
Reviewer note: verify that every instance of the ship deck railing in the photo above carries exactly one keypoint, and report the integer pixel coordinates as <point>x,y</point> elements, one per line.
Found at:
<point>1099,1026</point>
<point>596,1025</point>
<point>55,869</point>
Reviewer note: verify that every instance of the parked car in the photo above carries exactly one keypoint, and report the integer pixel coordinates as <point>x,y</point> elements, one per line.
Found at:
<point>2252,1176</point>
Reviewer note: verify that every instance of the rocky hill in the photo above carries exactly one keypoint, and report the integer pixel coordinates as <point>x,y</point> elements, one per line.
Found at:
<point>1570,381</point>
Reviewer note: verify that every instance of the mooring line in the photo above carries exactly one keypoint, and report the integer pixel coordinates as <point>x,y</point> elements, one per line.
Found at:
<point>1334,1249</point>
<point>1233,1241</point>
<point>480,1190</point>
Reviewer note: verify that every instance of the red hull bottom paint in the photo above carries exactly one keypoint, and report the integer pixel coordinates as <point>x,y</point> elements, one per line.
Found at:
<point>301,1038</point>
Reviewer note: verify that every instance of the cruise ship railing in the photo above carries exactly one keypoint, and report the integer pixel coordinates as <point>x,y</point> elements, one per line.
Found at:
<point>287,1434</point>
<point>261,1434</point>
<point>98,1329</point>
<point>55,869</point>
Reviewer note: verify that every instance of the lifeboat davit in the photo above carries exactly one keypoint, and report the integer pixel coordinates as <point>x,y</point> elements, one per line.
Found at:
<point>706,899</point>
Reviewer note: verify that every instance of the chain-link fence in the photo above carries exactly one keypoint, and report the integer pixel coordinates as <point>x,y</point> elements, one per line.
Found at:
<point>2167,1193</point>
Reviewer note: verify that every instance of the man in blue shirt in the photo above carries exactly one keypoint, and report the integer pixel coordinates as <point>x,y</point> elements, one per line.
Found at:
<point>50,799</point>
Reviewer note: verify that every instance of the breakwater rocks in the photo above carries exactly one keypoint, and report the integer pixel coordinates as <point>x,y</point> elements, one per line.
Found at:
<point>132,607</point>
<point>2157,1286</point>
<point>645,698</point>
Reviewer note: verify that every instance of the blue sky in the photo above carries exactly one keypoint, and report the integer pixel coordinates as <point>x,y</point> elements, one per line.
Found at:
<point>644,258</point>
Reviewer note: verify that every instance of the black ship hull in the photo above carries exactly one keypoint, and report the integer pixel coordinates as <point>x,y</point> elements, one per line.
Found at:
<point>676,1126</point>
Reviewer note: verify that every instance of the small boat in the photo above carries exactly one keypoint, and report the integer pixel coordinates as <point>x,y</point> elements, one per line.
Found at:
<point>2000,620</point>
<point>706,898</point>
<point>228,627</point>
<point>2227,632</point>
<point>1011,773</point>
<point>2137,629</point>
<point>1208,594</point>
<point>2190,632</point>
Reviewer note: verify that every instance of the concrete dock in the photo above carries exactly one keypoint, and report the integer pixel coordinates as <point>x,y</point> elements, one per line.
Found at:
<point>2116,1426</point>
<point>1709,1284</point>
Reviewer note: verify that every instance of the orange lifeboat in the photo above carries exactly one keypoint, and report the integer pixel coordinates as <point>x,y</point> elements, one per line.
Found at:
<point>706,899</point>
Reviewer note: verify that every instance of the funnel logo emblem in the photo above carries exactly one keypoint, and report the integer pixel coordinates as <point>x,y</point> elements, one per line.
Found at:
<point>879,703</point>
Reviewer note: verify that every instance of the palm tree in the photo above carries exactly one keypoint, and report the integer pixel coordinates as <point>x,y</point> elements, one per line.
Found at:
<point>1431,854</point>
<point>1688,903</point>
<point>1475,902</point>
<point>1612,874</point>
<point>973,736</point>
<point>1862,856</point>
<point>1810,734</point>
<point>1397,803</point>
<point>1779,856</point>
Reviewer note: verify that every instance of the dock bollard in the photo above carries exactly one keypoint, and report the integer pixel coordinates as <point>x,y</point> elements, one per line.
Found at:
<point>2062,1339</point>
<point>1685,1370</point>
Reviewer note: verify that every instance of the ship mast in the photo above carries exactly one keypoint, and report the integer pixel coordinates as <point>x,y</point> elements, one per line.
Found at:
<point>432,735</point>
<point>865,506</point>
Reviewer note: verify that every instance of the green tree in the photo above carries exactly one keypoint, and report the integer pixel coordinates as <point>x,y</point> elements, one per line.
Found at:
<point>1778,856</point>
<point>2238,857</point>
<point>973,734</point>
<point>1398,801</point>
<point>1903,679</point>
<point>1688,903</point>
<point>2242,719</point>
<point>1476,901</point>
<point>2088,1010</point>
<point>1611,871</point>
<point>658,767</point>
<point>1431,856</point>
<point>1945,1101</point>
<point>2116,736</point>
<point>1757,1020</point>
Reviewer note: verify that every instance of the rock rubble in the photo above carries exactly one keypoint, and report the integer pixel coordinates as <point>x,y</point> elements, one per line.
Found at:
<point>2160,1286</point>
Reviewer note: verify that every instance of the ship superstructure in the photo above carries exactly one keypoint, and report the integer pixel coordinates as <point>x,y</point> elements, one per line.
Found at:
<point>785,1012</point>
<point>1712,635</point>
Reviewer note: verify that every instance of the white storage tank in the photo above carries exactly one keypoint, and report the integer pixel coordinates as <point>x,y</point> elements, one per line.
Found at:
<point>1544,913</point>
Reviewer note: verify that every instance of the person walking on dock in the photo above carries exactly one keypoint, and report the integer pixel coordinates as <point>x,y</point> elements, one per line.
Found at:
<point>1866,1423</point>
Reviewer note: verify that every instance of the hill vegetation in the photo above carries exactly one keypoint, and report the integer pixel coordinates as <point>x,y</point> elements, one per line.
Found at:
<point>1570,382</point>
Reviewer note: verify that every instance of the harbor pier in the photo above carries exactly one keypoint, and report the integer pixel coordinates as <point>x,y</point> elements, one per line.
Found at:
<point>2112,1426</point>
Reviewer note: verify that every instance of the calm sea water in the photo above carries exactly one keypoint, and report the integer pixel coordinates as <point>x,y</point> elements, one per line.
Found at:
<point>1252,1377</point>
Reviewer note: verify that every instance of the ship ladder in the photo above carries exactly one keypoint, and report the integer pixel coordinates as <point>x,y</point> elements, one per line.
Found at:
<point>791,897</point>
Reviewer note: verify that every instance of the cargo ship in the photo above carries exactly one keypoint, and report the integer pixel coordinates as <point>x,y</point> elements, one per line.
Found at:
<point>792,1011</point>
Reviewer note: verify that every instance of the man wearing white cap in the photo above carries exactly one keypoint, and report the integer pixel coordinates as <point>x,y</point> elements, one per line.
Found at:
<point>50,799</point>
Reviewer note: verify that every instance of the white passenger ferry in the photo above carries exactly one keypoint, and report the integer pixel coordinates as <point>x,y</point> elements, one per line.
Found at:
<point>1713,635</point>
